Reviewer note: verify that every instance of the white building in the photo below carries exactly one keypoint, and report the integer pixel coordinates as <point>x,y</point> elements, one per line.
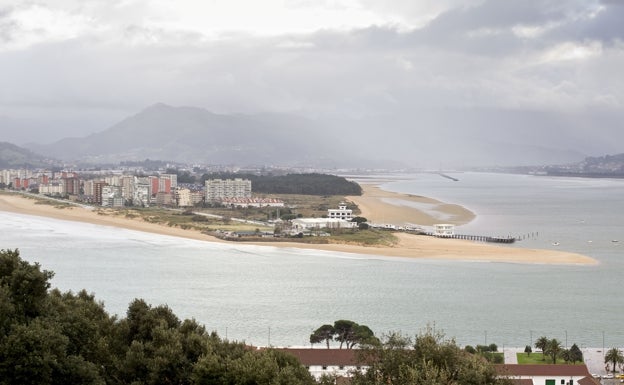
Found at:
<point>443,230</point>
<point>301,224</point>
<point>142,195</point>
<point>252,202</point>
<point>183,197</point>
<point>341,212</point>
<point>52,188</point>
<point>547,374</point>
<point>217,189</point>
<point>334,362</point>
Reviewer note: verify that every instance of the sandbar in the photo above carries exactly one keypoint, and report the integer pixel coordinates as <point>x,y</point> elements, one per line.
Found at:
<point>372,203</point>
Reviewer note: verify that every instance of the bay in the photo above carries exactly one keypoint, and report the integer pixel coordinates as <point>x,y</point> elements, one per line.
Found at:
<point>274,296</point>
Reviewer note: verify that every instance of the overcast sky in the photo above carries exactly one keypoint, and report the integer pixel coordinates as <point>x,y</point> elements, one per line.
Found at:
<point>71,67</point>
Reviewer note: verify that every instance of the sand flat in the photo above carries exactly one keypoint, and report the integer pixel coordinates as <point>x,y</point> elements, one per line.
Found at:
<point>373,205</point>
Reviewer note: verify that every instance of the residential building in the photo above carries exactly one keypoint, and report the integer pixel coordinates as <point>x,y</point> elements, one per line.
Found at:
<point>111,196</point>
<point>443,230</point>
<point>141,195</point>
<point>218,189</point>
<point>173,179</point>
<point>183,197</point>
<point>97,192</point>
<point>164,198</point>
<point>72,185</point>
<point>547,374</point>
<point>338,362</point>
<point>55,187</point>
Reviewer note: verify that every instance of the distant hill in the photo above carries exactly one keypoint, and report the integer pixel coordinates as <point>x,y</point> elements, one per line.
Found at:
<point>600,166</point>
<point>12,156</point>
<point>189,134</point>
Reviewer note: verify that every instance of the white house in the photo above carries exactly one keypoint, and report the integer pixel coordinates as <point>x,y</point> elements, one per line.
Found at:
<point>341,212</point>
<point>338,362</point>
<point>300,224</point>
<point>443,230</point>
<point>547,374</point>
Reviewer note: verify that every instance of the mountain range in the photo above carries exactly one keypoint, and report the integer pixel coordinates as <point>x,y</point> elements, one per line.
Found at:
<point>428,140</point>
<point>195,135</point>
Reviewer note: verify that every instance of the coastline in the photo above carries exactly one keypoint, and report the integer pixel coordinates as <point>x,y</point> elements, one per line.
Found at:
<point>375,204</point>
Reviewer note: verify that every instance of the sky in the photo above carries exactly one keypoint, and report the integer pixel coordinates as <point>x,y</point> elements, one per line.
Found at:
<point>73,67</point>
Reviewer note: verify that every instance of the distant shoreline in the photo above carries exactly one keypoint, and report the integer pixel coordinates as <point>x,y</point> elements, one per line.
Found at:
<point>375,204</point>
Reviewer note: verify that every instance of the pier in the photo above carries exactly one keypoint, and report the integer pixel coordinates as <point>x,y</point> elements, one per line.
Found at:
<point>448,177</point>
<point>478,238</point>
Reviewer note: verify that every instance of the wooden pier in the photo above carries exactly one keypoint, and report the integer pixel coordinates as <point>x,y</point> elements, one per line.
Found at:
<point>479,238</point>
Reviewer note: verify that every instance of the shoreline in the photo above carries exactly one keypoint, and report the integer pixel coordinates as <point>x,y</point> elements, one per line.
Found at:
<point>400,208</point>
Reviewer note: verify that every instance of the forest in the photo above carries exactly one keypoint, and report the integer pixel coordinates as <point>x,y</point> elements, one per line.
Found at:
<point>304,184</point>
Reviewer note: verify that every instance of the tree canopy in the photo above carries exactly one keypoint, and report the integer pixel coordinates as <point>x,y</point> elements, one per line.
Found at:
<point>429,359</point>
<point>348,333</point>
<point>48,337</point>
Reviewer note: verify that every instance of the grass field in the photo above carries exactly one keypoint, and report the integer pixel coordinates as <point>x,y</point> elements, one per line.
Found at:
<point>537,359</point>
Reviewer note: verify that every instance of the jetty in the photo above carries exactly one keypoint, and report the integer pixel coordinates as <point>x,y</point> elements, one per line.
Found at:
<point>477,238</point>
<point>448,177</point>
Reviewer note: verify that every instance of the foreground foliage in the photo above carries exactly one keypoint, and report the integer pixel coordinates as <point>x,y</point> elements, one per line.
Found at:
<point>428,360</point>
<point>49,337</point>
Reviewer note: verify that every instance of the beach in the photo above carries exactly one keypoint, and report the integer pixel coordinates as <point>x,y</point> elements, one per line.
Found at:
<point>377,205</point>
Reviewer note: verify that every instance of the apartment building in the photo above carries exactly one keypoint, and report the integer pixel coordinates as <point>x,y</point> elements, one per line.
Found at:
<point>218,189</point>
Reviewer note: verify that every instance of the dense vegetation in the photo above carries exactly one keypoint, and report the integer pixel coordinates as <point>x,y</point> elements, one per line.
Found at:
<point>49,337</point>
<point>308,184</point>
<point>429,359</point>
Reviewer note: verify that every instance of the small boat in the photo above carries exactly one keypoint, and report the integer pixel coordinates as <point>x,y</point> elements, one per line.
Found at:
<point>615,241</point>
<point>555,243</point>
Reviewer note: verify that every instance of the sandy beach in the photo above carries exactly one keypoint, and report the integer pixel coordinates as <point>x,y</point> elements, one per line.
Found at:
<point>375,204</point>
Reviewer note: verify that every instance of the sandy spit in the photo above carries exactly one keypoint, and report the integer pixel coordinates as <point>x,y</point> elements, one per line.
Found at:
<point>375,204</point>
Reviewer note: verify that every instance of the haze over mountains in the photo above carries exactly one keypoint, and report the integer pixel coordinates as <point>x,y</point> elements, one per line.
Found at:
<point>461,138</point>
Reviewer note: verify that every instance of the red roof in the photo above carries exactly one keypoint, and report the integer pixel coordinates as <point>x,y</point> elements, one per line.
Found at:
<point>326,357</point>
<point>542,370</point>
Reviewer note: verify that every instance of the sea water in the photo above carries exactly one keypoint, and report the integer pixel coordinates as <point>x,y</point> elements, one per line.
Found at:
<point>276,296</point>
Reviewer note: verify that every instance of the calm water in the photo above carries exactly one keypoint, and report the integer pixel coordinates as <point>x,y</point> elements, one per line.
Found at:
<point>267,295</point>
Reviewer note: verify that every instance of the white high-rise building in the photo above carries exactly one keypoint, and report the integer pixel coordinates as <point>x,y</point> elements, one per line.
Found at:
<point>217,189</point>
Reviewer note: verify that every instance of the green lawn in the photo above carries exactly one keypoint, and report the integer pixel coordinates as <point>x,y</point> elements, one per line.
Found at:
<point>537,358</point>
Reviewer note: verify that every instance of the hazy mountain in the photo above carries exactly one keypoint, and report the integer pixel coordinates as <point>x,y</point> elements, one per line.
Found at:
<point>12,156</point>
<point>188,134</point>
<point>431,139</point>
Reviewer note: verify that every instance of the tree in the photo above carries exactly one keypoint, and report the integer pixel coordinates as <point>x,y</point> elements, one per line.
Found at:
<point>49,337</point>
<point>575,354</point>
<point>430,359</point>
<point>614,356</point>
<point>553,349</point>
<point>528,350</point>
<point>324,333</point>
<point>542,344</point>
<point>346,332</point>
<point>351,333</point>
